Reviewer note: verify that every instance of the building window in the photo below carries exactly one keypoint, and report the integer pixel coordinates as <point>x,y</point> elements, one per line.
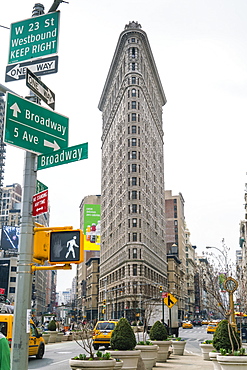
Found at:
<point>12,289</point>
<point>134,224</point>
<point>133,39</point>
<point>134,167</point>
<point>133,80</point>
<point>13,268</point>
<point>133,93</point>
<point>134,194</point>
<point>135,270</point>
<point>134,181</point>
<point>12,279</point>
<point>133,154</point>
<point>133,117</point>
<point>134,252</point>
<point>134,237</point>
<point>133,129</point>
<point>133,141</point>
<point>133,104</point>
<point>134,208</point>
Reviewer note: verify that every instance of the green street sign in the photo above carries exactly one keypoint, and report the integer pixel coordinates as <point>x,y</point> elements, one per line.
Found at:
<point>33,127</point>
<point>40,187</point>
<point>34,37</point>
<point>68,155</point>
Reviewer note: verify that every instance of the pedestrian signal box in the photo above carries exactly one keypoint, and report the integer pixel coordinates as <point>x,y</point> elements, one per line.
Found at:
<point>66,247</point>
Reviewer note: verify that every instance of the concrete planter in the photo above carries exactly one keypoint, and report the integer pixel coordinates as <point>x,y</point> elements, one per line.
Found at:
<point>232,362</point>
<point>53,336</point>
<point>213,358</point>
<point>92,365</point>
<point>118,365</point>
<point>206,348</point>
<point>163,349</point>
<point>148,354</point>
<point>67,337</point>
<point>178,347</point>
<point>129,358</point>
<point>60,337</point>
<point>46,337</point>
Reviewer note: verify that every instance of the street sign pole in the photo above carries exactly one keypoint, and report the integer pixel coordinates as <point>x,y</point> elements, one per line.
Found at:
<point>21,327</point>
<point>20,343</point>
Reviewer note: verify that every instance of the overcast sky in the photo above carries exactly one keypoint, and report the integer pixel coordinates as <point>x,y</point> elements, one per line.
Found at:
<point>200,49</point>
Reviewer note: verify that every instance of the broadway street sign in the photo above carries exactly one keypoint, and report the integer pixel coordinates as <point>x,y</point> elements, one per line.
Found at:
<point>71,154</point>
<point>40,89</point>
<point>34,37</point>
<point>40,67</point>
<point>33,127</point>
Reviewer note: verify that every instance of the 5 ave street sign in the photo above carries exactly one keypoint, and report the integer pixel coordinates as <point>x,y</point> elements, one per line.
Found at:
<point>40,89</point>
<point>34,37</point>
<point>32,127</point>
<point>71,154</point>
<point>40,67</point>
<point>170,300</point>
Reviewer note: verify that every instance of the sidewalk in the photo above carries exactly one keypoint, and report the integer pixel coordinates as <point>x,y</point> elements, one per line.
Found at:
<point>187,361</point>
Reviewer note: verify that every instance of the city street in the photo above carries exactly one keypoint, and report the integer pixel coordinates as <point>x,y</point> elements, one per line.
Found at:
<point>58,354</point>
<point>194,337</point>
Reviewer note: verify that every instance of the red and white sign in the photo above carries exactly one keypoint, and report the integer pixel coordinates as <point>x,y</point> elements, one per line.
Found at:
<point>2,291</point>
<point>164,295</point>
<point>40,203</point>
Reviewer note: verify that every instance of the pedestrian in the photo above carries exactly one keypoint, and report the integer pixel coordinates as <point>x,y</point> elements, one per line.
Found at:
<point>4,353</point>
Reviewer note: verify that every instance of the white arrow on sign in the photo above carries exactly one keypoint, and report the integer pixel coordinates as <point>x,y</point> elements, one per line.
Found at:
<point>15,109</point>
<point>54,145</point>
<point>18,71</point>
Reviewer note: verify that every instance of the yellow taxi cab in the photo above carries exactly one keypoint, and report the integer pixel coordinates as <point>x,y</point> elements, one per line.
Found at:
<point>36,342</point>
<point>102,333</point>
<point>212,327</point>
<point>187,325</point>
<point>204,322</point>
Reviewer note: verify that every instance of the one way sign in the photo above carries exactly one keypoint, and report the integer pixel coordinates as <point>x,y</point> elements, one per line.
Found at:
<point>40,89</point>
<point>170,300</point>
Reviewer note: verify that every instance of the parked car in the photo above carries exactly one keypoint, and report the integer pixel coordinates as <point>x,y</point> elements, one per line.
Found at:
<point>187,325</point>
<point>196,322</point>
<point>211,327</point>
<point>102,333</point>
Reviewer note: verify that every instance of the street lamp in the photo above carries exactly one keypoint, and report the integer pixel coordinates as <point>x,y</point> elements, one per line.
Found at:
<point>224,254</point>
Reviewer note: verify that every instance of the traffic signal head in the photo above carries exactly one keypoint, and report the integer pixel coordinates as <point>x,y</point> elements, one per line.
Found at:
<point>104,302</point>
<point>41,242</point>
<point>161,288</point>
<point>66,247</point>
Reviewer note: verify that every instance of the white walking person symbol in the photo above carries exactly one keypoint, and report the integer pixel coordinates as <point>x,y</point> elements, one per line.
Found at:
<point>70,246</point>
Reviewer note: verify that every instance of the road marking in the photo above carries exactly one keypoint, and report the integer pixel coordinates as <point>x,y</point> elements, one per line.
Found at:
<point>59,362</point>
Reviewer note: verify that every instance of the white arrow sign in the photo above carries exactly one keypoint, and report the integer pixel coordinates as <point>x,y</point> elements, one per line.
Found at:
<point>39,67</point>
<point>53,145</point>
<point>15,109</point>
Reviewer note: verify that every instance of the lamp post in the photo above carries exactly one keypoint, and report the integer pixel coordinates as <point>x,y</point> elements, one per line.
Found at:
<point>224,254</point>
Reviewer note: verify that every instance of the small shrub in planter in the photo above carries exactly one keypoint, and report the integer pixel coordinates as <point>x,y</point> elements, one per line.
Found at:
<point>225,337</point>
<point>52,325</point>
<point>145,343</point>
<point>123,337</point>
<point>158,331</point>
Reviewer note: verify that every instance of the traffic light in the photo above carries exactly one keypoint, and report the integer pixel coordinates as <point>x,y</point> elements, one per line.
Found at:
<point>103,311</point>
<point>104,303</point>
<point>161,288</point>
<point>41,241</point>
<point>66,247</point>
